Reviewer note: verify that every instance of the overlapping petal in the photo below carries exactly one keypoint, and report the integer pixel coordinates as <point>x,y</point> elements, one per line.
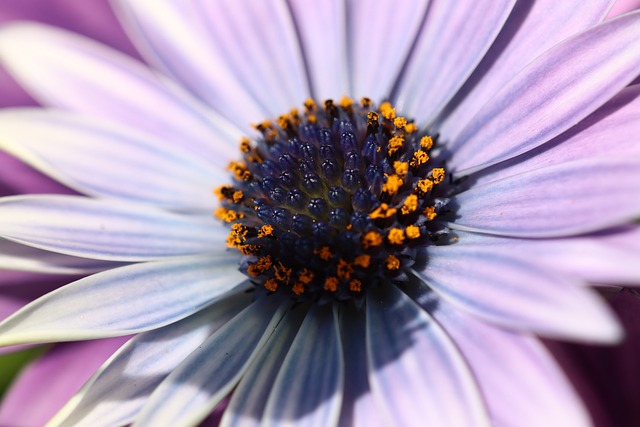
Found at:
<point>105,229</point>
<point>555,92</point>
<point>101,159</point>
<point>123,301</point>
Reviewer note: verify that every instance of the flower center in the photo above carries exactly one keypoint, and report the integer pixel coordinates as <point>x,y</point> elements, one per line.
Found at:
<point>332,201</point>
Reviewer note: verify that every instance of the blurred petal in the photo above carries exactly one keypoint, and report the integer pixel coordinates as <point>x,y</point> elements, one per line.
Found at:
<point>157,293</point>
<point>18,178</point>
<point>378,49</point>
<point>623,6</point>
<point>30,404</point>
<point>416,373</point>
<point>308,389</point>
<point>117,391</point>
<point>174,38</point>
<point>71,72</point>
<point>532,28</point>
<point>555,92</point>
<point>491,282</point>
<point>14,256</point>
<point>199,383</point>
<point>322,28</point>
<point>560,200</point>
<point>258,43</point>
<point>454,38</point>
<point>102,159</point>
<point>101,229</point>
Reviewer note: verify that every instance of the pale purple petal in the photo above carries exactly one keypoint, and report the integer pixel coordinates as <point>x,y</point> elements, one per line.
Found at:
<point>257,41</point>
<point>610,131</point>
<point>520,381</point>
<point>117,391</point>
<point>555,92</point>
<point>199,383</point>
<point>532,28</point>
<point>105,160</point>
<point>105,229</point>
<point>380,36</point>
<point>623,6</point>
<point>249,399</point>
<point>454,38</point>
<point>14,256</point>
<point>322,28</point>
<point>157,294</point>
<point>570,198</point>
<point>68,71</point>
<point>491,282</point>
<point>18,178</point>
<point>173,38</point>
<point>416,373</point>
<point>31,403</point>
<point>308,389</point>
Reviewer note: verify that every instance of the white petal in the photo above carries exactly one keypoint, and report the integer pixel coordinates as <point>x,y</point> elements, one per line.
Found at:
<point>172,37</point>
<point>380,36</point>
<point>532,28</point>
<point>124,300</point>
<point>308,389</point>
<point>195,387</point>
<point>415,371</point>
<point>498,285</point>
<point>101,159</point>
<point>259,44</point>
<point>66,70</point>
<point>116,392</point>
<point>249,399</point>
<point>454,38</point>
<point>322,28</point>
<point>107,230</point>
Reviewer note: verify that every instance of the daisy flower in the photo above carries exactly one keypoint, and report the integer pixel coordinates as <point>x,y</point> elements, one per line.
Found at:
<point>328,213</point>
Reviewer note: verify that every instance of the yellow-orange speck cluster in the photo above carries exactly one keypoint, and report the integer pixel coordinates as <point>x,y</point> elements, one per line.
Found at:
<point>332,199</point>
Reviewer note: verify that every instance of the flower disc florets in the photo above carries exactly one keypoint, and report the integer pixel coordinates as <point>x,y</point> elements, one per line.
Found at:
<point>331,201</point>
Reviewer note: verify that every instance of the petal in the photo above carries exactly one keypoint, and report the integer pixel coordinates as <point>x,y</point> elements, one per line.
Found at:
<point>43,387</point>
<point>68,71</point>
<point>249,399</point>
<point>258,42</point>
<point>532,28</point>
<point>492,282</point>
<point>117,391</point>
<point>308,389</point>
<point>555,92</point>
<point>359,408</point>
<point>570,198</point>
<point>104,160</point>
<point>520,380</point>
<point>454,39</point>
<point>18,178</point>
<point>198,384</point>
<point>155,294</point>
<point>322,28</point>
<point>610,131</point>
<point>415,371</point>
<point>174,39</point>
<point>14,256</point>
<point>381,35</point>
<point>101,229</point>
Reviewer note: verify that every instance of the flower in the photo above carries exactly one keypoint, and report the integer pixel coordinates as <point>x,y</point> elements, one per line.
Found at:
<point>515,183</point>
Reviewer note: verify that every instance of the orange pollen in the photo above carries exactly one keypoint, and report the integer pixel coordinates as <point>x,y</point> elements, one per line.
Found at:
<point>331,284</point>
<point>393,184</point>
<point>412,231</point>
<point>355,285</point>
<point>396,236</point>
<point>271,285</point>
<point>344,269</point>
<point>410,204</point>
<point>382,211</point>
<point>237,196</point>
<point>395,144</point>
<point>426,143</point>
<point>392,262</point>
<point>400,122</point>
<point>387,111</point>
<point>265,230</point>
<point>424,186</point>
<point>305,276</point>
<point>298,288</point>
<point>362,261</point>
<point>371,239</point>
<point>324,253</point>
<point>410,128</point>
<point>419,158</point>
<point>430,213</point>
<point>401,168</point>
<point>437,175</point>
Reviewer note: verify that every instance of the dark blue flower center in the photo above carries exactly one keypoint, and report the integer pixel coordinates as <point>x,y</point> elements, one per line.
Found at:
<point>331,201</point>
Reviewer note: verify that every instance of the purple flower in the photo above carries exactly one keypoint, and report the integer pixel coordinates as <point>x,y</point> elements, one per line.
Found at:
<point>397,271</point>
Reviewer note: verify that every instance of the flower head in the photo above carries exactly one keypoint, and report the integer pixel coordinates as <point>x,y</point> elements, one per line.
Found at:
<point>409,207</point>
